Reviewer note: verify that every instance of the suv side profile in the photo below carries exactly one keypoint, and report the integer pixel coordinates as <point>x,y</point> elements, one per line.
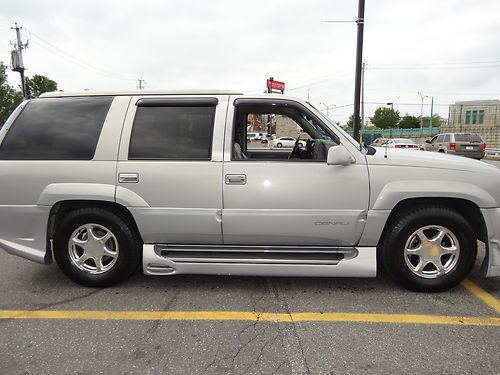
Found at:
<point>462,144</point>
<point>107,183</point>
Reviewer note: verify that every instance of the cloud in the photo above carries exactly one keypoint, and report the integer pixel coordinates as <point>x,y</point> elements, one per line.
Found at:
<point>236,44</point>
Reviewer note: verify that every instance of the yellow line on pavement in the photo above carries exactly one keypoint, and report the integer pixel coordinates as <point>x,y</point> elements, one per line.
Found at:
<point>251,316</point>
<point>482,295</point>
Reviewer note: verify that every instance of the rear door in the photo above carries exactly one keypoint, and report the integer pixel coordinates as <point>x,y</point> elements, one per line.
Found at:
<point>170,167</point>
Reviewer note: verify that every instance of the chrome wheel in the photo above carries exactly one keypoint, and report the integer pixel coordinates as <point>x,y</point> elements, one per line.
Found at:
<point>432,251</point>
<point>93,248</point>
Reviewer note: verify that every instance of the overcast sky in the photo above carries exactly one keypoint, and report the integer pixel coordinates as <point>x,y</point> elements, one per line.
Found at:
<point>448,49</point>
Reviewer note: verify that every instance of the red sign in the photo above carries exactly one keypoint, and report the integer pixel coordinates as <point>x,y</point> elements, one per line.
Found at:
<point>276,85</point>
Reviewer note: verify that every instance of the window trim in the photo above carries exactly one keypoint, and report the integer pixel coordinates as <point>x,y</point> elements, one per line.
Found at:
<point>175,102</point>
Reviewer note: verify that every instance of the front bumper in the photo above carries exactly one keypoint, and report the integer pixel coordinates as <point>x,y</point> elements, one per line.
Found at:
<point>491,263</point>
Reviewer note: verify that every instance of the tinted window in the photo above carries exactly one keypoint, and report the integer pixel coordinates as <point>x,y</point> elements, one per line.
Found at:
<point>56,129</point>
<point>467,138</point>
<point>446,138</point>
<point>440,139</point>
<point>172,132</point>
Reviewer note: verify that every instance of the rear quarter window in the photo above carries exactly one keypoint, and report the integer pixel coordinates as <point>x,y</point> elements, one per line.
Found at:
<point>56,129</point>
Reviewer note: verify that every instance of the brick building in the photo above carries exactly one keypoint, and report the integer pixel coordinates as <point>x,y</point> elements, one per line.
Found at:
<point>477,117</point>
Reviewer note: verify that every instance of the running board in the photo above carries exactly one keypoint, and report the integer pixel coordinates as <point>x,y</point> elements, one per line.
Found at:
<point>163,259</point>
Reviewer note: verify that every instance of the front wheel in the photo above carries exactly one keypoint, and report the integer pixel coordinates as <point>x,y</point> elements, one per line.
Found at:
<point>279,145</point>
<point>430,249</point>
<point>96,248</point>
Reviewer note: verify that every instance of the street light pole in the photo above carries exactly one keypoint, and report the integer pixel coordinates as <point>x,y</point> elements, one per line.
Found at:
<point>327,107</point>
<point>392,105</point>
<point>422,110</point>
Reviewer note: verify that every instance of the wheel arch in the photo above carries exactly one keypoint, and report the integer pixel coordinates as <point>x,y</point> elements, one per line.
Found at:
<point>61,208</point>
<point>468,209</point>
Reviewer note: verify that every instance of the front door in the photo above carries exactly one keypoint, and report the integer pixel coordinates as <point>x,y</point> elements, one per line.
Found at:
<point>285,196</point>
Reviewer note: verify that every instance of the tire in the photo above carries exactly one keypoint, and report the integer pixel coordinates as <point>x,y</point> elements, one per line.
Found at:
<point>402,241</point>
<point>118,257</point>
<point>279,145</point>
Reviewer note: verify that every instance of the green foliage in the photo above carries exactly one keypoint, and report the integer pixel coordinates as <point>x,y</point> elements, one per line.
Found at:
<point>39,84</point>
<point>436,121</point>
<point>350,122</point>
<point>385,118</point>
<point>409,122</point>
<point>9,96</point>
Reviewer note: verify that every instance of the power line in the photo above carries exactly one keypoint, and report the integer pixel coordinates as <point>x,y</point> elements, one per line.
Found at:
<point>45,44</point>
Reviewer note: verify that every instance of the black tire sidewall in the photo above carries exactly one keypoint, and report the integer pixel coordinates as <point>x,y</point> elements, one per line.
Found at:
<point>128,256</point>
<point>393,249</point>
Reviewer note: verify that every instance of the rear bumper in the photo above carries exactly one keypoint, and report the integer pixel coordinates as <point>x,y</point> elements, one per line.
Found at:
<point>491,263</point>
<point>469,154</point>
<point>23,232</point>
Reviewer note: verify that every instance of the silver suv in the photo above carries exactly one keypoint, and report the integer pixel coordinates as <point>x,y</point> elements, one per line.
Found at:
<point>104,183</point>
<point>462,144</point>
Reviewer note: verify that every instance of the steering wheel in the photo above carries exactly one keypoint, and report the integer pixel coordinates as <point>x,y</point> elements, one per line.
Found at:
<point>295,148</point>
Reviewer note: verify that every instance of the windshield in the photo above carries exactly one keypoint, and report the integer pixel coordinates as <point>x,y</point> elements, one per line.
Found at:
<point>335,126</point>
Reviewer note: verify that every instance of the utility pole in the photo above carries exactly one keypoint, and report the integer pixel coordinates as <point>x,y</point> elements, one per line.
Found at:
<point>422,111</point>
<point>363,95</point>
<point>141,83</point>
<point>432,111</point>
<point>17,58</point>
<point>359,58</point>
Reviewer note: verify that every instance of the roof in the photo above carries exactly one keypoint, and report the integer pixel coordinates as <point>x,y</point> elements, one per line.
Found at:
<point>58,94</point>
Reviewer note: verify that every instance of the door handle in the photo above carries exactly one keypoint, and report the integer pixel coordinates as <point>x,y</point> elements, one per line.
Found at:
<point>236,179</point>
<point>128,177</point>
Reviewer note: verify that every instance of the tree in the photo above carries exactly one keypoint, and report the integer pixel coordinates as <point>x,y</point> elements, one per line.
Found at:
<point>436,121</point>
<point>385,118</point>
<point>409,122</point>
<point>350,122</point>
<point>9,96</point>
<point>39,84</point>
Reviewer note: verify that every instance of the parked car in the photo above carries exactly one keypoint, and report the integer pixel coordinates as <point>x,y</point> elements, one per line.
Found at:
<point>107,183</point>
<point>402,143</point>
<point>379,142</point>
<point>254,136</point>
<point>287,142</point>
<point>462,144</point>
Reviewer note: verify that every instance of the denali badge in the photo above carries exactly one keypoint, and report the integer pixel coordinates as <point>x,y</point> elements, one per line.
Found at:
<point>331,223</point>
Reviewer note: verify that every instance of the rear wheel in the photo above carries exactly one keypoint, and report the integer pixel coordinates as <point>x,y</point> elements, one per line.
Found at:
<point>95,247</point>
<point>279,145</point>
<point>430,249</point>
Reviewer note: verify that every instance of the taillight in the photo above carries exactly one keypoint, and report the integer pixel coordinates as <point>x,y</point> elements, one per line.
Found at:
<point>398,146</point>
<point>414,146</point>
<point>453,145</point>
<point>483,147</point>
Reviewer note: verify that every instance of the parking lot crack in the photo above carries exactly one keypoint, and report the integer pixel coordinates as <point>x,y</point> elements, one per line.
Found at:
<point>291,339</point>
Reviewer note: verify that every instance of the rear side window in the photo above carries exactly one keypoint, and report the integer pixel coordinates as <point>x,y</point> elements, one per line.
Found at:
<point>468,138</point>
<point>56,129</point>
<point>446,138</point>
<point>172,132</point>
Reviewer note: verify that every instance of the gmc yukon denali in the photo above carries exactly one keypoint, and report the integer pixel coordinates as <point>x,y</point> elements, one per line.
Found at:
<point>107,183</point>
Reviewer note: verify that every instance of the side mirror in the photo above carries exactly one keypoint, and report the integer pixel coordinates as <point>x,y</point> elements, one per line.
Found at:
<point>427,141</point>
<point>338,155</point>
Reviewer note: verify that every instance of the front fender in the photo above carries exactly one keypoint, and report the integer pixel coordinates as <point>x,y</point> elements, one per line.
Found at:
<point>397,191</point>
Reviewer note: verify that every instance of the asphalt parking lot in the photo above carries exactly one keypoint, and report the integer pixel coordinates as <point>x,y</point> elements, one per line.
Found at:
<point>243,325</point>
